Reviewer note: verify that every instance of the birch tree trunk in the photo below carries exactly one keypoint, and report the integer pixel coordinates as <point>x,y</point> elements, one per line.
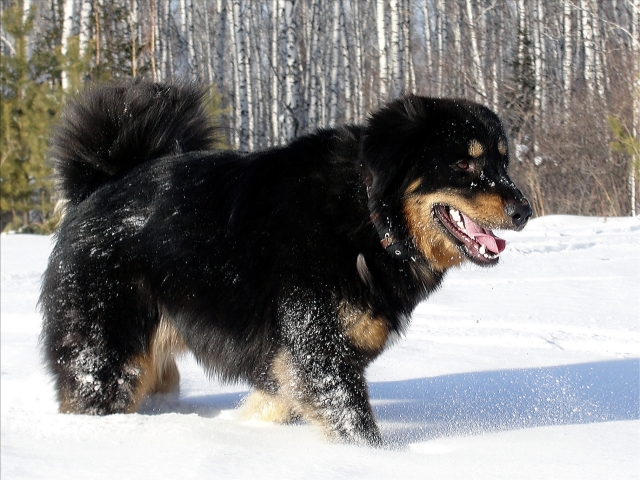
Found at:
<point>67,26</point>
<point>241,112</point>
<point>440,31</point>
<point>382,50</point>
<point>396,66</point>
<point>494,38</point>
<point>347,74</point>
<point>567,60</point>
<point>153,28</point>
<point>219,23</point>
<point>355,16</point>
<point>426,11</point>
<point>193,60</point>
<point>312,83</point>
<point>409,82</point>
<point>168,44</point>
<point>132,18</point>
<point>207,39</point>
<point>324,77</point>
<point>589,48</point>
<point>292,80</point>
<point>458,59</point>
<point>599,50</point>
<point>275,71</point>
<point>335,57</point>
<point>259,130</point>
<point>183,19</point>
<point>635,120</point>
<point>539,59</point>
<point>85,29</point>
<point>246,73</point>
<point>475,52</point>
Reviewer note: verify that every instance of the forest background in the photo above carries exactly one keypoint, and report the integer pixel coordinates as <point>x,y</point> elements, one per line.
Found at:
<point>563,74</point>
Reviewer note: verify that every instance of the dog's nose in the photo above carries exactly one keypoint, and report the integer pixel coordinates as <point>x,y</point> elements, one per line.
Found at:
<point>520,212</point>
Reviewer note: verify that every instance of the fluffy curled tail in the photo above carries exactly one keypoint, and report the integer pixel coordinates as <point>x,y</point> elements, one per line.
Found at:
<point>111,129</point>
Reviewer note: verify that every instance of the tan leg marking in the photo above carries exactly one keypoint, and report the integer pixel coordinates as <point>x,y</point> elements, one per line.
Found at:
<point>67,405</point>
<point>367,333</point>
<point>159,372</point>
<point>260,405</point>
<point>485,209</point>
<point>291,393</point>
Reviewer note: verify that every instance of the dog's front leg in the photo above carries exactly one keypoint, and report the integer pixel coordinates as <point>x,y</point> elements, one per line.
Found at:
<point>322,373</point>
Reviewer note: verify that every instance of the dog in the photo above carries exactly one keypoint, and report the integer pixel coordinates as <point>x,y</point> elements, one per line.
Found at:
<point>290,268</point>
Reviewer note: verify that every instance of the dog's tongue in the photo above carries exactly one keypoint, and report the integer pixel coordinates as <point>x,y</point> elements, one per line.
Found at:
<point>483,236</point>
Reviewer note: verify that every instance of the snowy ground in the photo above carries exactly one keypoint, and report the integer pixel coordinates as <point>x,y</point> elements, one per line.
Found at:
<point>527,370</point>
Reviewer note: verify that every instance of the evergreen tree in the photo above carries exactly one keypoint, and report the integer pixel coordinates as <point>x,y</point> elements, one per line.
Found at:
<point>31,97</point>
<point>626,143</point>
<point>28,108</point>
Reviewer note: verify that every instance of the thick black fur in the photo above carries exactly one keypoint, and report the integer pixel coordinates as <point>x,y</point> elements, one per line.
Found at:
<point>249,256</point>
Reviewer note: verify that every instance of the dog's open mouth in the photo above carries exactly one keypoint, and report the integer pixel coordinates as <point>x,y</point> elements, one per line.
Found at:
<point>478,243</point>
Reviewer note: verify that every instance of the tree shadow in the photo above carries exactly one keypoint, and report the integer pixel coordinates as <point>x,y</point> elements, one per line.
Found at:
<point>480,402</point>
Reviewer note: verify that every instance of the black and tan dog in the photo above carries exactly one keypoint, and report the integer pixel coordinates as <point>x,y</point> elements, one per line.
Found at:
<point>288,268</point>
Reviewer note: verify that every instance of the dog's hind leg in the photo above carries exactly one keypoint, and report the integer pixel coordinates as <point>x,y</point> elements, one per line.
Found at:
<point>157,365</point>
<point>91,376</point>
<point>98,336</point>
<point>95,378</point>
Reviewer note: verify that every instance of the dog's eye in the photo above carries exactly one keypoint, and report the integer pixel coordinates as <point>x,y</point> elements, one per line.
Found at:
<point>465,165</point>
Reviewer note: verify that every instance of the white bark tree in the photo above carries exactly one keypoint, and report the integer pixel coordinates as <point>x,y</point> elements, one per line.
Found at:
<point>276,18</point>
<point>335,62</point>
<point>567,59</point>
<point>292,72</point>
<point>66,34</point>
<point>478,66</point>
<point>382,50</point>
<point>85,27</point>
<point>397,80</point>
<point>589,48</point>
<point>243,101</point>
<point>551,68</point>
<point>440,32</point>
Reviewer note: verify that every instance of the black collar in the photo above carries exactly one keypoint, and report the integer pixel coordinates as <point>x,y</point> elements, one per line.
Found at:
<point>389,240</point>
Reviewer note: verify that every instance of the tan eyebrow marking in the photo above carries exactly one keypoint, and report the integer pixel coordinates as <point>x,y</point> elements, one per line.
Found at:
<point>502,147</point>
<point>475,148</point>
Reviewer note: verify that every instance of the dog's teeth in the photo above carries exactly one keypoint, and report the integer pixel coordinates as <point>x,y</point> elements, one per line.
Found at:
<point>455,215</point>
<point>483,250</point>
<point>461,225</point>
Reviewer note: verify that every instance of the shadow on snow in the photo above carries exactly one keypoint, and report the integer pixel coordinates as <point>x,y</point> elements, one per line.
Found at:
<point>479,402</point>
<point>474,403</point>
<point>207,406</point>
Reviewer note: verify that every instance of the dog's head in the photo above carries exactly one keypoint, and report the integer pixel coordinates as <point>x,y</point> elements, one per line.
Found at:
<point>439,172</point>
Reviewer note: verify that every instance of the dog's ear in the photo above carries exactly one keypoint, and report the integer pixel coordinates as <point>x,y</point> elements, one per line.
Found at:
<point>393,134</point>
